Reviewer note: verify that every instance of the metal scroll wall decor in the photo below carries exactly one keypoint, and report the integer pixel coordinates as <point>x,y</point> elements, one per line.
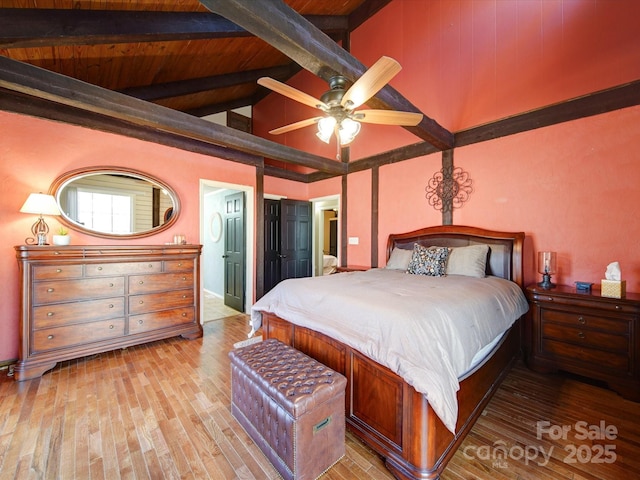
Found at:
<point>448,189</point>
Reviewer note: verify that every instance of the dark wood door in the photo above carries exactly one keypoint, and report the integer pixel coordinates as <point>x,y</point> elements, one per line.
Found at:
<point>296,222</point>
<point>234,255</point>
<point>333,237</point>
<point>272,267</point>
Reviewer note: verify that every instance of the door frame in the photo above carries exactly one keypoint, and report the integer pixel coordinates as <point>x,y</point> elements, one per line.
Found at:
<point>249,207</point>
<point>330,202</point>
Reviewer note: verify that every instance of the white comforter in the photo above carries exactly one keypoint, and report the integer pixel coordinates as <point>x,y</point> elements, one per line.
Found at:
<point>425,329</point>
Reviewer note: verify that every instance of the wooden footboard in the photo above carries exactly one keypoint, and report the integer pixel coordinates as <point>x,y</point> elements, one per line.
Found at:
<point>387,413</point>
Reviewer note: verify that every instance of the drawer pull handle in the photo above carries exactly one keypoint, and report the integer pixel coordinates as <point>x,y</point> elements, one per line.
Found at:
<point>581,320</point>
<point>140,282</point>
<point>580,335</point>
<point>111,327</point>
<point>140,322</point>
<point>49,314</point>
<point>99,269</point>
<point>49,337</point>
<point>184,278</point>
<point>58,270</point>
<point>150,265</point>
<point>111,284</point>
<point>49,290</point>
<point>111,305</point>
<point>56,253</point>
<point>141,302</point>
<point>618,307</point>
<point>180,264</point>
<point>184,314</point>
<point>184,296</point>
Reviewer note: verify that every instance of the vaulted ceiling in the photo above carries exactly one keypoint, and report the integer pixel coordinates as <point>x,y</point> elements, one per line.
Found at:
<point>193,57</point>
<point>150,69</point>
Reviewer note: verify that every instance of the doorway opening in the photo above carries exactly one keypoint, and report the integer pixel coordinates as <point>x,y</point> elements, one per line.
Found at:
<point>212,238</point>
<point>326,237</point>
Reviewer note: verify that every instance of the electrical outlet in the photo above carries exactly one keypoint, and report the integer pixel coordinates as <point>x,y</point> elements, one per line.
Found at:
<point>354,240</point>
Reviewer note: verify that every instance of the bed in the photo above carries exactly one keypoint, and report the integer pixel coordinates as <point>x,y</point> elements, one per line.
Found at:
<point>383,408</point>
<point>329,264</point>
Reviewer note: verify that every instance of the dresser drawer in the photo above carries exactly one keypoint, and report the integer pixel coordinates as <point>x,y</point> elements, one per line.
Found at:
<point>588,302</point>
<point>178,265</point>
<point>59,314</point>
<point>160,301</point>
<point>157,320</point>
<point>586,337</point>
<point>122,268</point>
<point>157,283</point>
<point>60,337</point>
<point>589,358</point>
<point>74,290</point>
<point>50,272</point>
<point>578,319</point>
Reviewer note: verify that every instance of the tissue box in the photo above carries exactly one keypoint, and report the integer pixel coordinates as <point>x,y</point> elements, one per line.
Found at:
<point>614,288</point>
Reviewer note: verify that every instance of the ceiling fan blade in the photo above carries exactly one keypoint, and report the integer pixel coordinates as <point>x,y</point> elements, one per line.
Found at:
<point>388,117</point>
<point>295,126</point>
<point>370,82</point>
<point>293,93</point>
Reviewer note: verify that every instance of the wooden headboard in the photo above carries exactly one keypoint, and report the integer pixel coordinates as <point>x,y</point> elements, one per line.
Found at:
<point>505,248</point>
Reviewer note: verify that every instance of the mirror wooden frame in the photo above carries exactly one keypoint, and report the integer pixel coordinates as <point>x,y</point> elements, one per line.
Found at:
<point>65,179</point>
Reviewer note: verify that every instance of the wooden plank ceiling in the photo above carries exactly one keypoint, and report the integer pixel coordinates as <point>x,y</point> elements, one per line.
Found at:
<point>173,53</point>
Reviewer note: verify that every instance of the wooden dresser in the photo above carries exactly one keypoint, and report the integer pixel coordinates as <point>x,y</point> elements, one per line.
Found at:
<point>82,300</point>
<point>586,334</point>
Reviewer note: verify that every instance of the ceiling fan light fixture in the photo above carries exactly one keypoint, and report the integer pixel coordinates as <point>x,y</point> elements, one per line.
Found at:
<point>326,128</point>
<point>348,130</point>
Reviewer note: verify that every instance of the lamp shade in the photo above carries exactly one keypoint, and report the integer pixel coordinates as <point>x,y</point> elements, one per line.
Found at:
<point>41,204</point>
<point>547,262</point>
<point>348,130</point>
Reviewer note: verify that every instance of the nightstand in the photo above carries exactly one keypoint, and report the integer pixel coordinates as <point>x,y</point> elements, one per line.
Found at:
<point>352,268</point>
<point>586,334</point>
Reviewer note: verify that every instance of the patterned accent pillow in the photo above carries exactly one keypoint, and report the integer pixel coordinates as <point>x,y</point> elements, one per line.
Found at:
<point>431,261</point>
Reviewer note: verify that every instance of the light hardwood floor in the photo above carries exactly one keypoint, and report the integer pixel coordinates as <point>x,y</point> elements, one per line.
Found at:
<point>162,410</point>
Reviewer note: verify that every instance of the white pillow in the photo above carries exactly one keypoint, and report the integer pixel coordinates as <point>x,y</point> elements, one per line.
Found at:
<point>470,261</point>
<point>399,259</point>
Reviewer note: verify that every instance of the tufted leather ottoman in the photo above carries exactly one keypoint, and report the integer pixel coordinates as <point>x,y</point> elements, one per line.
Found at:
<point>291,405</point>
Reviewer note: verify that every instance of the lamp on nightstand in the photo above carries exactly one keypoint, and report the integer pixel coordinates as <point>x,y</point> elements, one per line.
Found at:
<point>40,204</point>
<point>547,267</point>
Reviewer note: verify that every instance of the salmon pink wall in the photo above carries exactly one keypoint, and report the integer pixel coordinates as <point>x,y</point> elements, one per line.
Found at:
<point>34,152</point>
<point>402,203</point>
<point>468,62</point>
<point>572,188</point>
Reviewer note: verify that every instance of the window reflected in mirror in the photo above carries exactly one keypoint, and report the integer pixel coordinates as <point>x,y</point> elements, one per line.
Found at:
<point>114,202</point>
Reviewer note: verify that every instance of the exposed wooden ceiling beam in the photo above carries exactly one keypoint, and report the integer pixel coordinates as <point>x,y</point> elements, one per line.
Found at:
<point>222,107</point>
<point>283,28</point>
<point>24,78</point>
<point>622,96</point>
<point>49,27</point>
<point>37,107</point>
<point>196,85</point>
<point>365,11</point>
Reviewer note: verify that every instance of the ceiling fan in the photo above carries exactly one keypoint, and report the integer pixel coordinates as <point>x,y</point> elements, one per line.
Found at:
<point>339,104</point>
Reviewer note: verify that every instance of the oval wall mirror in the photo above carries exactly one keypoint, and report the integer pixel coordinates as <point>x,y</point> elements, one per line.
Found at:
<point>114,202</point>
